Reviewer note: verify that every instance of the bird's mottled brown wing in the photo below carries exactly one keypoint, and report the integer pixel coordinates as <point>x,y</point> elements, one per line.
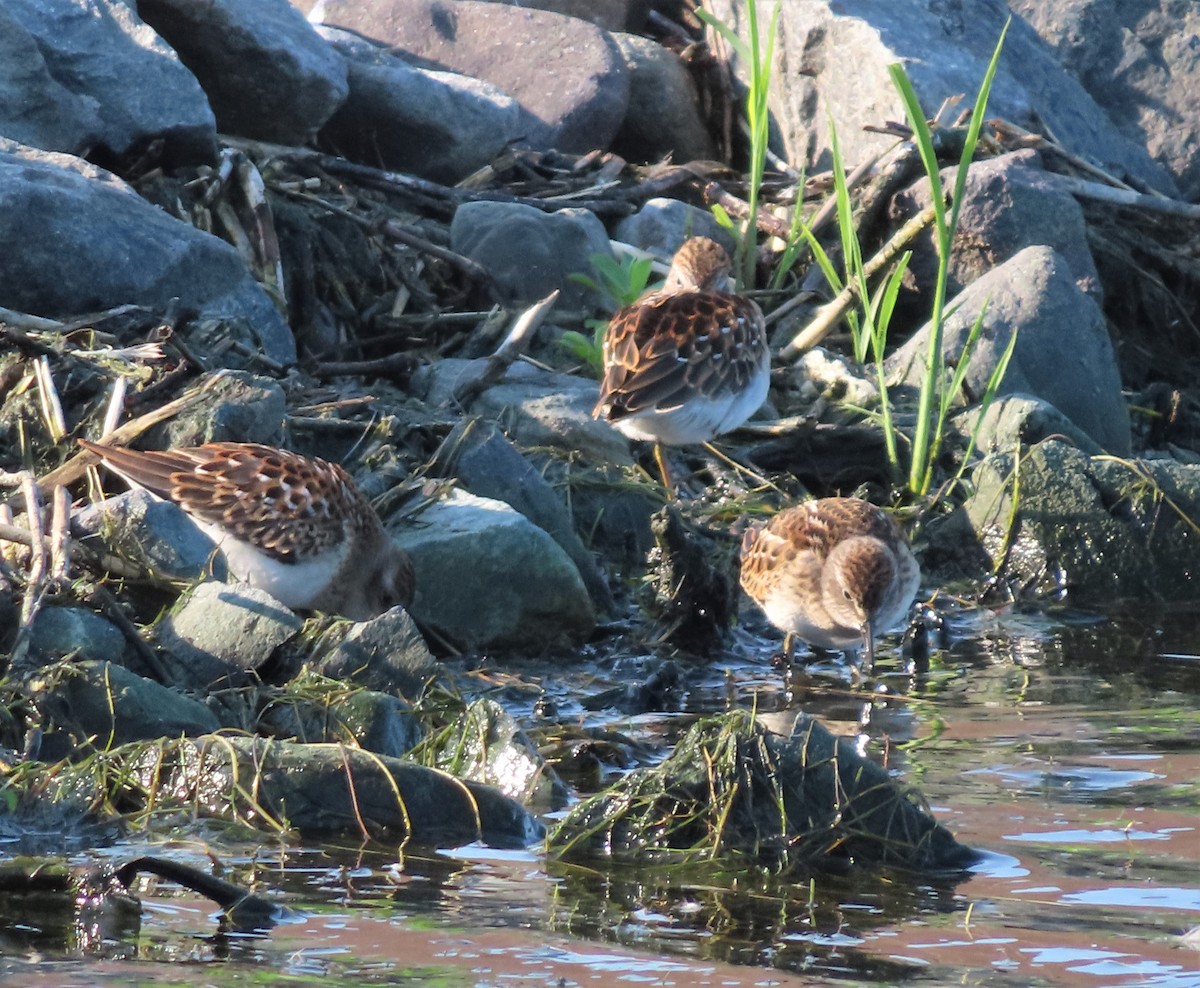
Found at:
<point>248,488</point>
<point>820,525</point>
<point>667,348</point>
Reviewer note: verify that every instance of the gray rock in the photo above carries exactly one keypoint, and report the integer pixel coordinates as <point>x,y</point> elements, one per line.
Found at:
<point>74,631</point>
<point>610,512</point>
<point>55,206</point>
<point>830,804</point>
<point>237,407</point>
<point>663,119</point>
<point>566,74</point>
<point>1102,529</point>
<point>1138,61</point>
<point>332,788</point>
<point>614,15</point>
<point>489,577</point>
<point>266,72</point>
<point>533,406</point>
<point>439,125</point>
<point>106,701</point>
<point>154,534</point>
<point>488,465</point>
<point>1063,354</point>
<point>1015,421</point>
<point>113,63</point>
<point>386,654</point>
<point>1009,204</point>
<point>529,253</point>
<point>35,108</point>
<point>662,225</point>
<point>487,745</point>
<point>376,722</point>
<point>817,40</point>
<point>219,634</point>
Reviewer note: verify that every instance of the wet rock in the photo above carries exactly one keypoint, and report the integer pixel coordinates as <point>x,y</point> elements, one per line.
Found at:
<point>219,634</point>
<point>832,386</point>
<point>155,535</point>
<point>534,407</point>
<point>103,700</point>
<point>1138,61</point>
<point>817,40</point>
<point>662,225</point>
<point>488,465</point>
<point>266,72</point>
<point>693,594</point>
<point>331,788</point>
<point>53,204</point>
<point>386,654</point>
<point>487,745</point>
<point>1102,529</point>
<point>1014,421</point>
<point>236,407</point>
<point>439,125</point>
<point>731,787</point>
<point>489,577</point>
<point>612,514</point>
<point>1010,203</point>
<point>373,721</point>
<point>75,632</point>
<point>1062,355</point>
<point>530,253</point>
<point>663,119</point>
<point>36,108</point>
<point>515,49</point>
<point>119,71</point>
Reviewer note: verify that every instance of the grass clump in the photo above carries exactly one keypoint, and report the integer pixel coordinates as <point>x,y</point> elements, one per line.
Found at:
<point>757,54</point>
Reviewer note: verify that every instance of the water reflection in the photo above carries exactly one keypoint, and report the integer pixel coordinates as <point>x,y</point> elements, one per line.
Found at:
<point>1066,745</point>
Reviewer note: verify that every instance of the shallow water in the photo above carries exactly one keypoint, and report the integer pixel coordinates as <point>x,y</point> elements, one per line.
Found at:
<point>1066,746</point>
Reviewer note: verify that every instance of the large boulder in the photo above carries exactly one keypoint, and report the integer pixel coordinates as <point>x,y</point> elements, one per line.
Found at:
<point>130,88</point>
<point>35,107</point>
<point>487,576</point>
<point>439,125</point>
<point>88,242</point>
<point>567,74</point>
<point>663,119</point>
<point>528,252</point>
<point>1062,353</point>
<point>220,635</point>
<point>1101,528</point>
<point>101,700</point>
<point>266,72</point>
<point>535,407</point>
<point>1009,203</point>
<point>819,39</point>
<point>1138,61</point>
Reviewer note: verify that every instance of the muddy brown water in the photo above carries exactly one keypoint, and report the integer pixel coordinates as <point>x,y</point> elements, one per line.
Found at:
<point>1064,745</point>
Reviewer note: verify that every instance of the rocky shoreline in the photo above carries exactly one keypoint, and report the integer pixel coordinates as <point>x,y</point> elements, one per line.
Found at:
<point>228,222</point>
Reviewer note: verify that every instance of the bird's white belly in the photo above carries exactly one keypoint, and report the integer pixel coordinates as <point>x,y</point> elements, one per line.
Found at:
<point>700,419</point>
<point>295,585</point>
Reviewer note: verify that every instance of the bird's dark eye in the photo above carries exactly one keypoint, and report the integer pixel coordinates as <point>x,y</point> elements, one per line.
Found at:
<point>847,594</point>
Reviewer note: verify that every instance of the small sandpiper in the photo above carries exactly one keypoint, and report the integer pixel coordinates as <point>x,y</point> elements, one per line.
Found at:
<point>832,572</point>
<point>688,362</point>
<point>294,526</point>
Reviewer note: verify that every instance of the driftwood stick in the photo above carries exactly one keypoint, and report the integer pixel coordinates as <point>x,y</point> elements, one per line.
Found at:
<point>828,315</point>
<point>1098,192</point>
<point>766,221</point>
<point>402,183</point>
<point>75,467</point>
<point>393,363</point>
<point>508,351</point>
